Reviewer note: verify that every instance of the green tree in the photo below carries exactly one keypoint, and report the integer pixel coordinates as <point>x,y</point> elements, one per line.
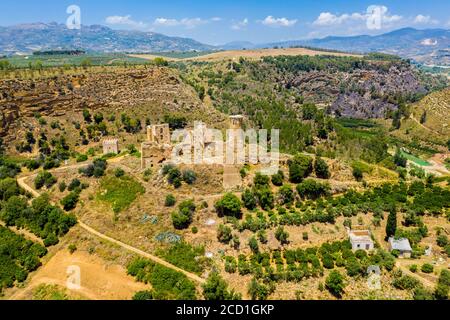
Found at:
<point>229,205</point>
<point>216,289</point>
<point>299,168</point>
<point>286,195</point>
<point>170,200</point>
<point>282,235</point>
<point>143,295</point>
<point>399,159</point>
<point>321,169</point>
<point>443,286</point>
<point>253,244</point>
<point>249,199</point>
<point>277,179</point>
<point>391,225</point>
<point>224,234</point>
<point>335,283</point>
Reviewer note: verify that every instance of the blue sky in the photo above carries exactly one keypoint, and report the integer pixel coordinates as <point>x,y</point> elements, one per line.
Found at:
<point>217,22</point>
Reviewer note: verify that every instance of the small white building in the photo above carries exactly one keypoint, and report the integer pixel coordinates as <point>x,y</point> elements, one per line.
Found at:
<point>402,246</point>
<point>361,240</point>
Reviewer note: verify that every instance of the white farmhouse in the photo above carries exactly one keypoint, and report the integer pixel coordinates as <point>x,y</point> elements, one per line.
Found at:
<point>401,245</point>
<point>361,240</point>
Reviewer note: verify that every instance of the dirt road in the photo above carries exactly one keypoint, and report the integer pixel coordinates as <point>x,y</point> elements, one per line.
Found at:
<point>192,276</point>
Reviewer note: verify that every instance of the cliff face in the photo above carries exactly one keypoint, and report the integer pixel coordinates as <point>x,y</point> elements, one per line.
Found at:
<point>147,89</point>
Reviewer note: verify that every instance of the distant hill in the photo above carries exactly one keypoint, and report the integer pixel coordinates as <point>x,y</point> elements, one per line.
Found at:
<point>431,46</point>
<point>238,45</point>
<point>26,38</point>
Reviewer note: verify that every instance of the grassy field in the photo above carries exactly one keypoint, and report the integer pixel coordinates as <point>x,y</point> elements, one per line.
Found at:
<point>236,54</point>
<point>119,192</point>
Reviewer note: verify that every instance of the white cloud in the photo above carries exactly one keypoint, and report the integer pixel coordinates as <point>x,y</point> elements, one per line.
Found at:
<point>421,19</point>
<point>278,22</point>
<point>240,24</point>
<point>189,23</point>
<point>375,17</point>
<point>329,19</point>
<point>125,21</point>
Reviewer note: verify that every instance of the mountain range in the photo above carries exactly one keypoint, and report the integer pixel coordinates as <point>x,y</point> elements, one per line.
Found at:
<point>430,46</point>
<point>31,37</point>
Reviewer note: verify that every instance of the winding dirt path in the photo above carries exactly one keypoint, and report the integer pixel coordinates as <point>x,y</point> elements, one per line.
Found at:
<point>192,276</point>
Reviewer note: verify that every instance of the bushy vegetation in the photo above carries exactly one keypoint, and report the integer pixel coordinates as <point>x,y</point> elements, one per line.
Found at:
<point>183,218</point>
<point>44,220</point>
<point>18,257</point>
<point>216,289</point>
<point>166,283</point>
<point>294,265</point>
<point>185,256</point>
<point>120,192</point>
<point>229,205</point>
<point>96,169</point>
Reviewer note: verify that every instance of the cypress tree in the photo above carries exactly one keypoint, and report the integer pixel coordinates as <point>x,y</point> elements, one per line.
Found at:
<point>391,226</point>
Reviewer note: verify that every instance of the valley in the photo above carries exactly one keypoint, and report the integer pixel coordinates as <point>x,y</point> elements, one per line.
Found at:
<point>364,147</point>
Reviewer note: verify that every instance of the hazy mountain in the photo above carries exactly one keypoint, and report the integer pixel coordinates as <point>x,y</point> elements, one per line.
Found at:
<point>45,36</point>
<point>238,45</point>
<point>431,46</point>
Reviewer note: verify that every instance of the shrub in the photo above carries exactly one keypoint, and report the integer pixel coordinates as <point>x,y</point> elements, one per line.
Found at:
<point>261,180</point>
<point>358,173</point>
<point>70,201</point>
<point>194,230</point>
<point>443,286</point>
<point>229,205</point>
<point>312,189</point>
<point>253,244</point>
<point>265,198</point>
<point>145,295</point>
<point>282,236</point>
<point>216,289</point>
<point>286,195</point>
<point>442,241</point>
<point>62,186</point>
<point>72,248</point>
<point>74,184</point>
<point>224,234</point>
<point>427,268</point>
<point>46,179</point>
<point>321,169</point>
<point>183,218</point>
<point>277,179</point>
<point>82,158</point>
<point>406,283</point>
<point>335,284</point>
<point>413,268</point>
<point>249,199</point>
<point>119,173</point>
<point>189,176</point>
<point>299,168</point>
<point>170,200</point>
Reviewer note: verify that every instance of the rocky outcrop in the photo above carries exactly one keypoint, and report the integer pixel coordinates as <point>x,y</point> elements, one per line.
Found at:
<point>103,89</point>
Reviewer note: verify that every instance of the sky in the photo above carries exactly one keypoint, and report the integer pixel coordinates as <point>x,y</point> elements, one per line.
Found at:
<point>222,21</point>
